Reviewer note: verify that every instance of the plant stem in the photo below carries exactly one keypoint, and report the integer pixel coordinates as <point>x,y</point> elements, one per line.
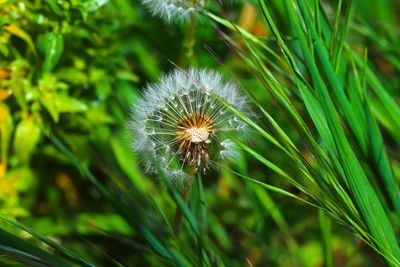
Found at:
<point>188,42</point>
<point>202,202</point>
<point>184,195</point>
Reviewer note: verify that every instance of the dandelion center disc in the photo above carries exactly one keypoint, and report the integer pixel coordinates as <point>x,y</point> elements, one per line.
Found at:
<point>198,135</point>
<point>193,134</point>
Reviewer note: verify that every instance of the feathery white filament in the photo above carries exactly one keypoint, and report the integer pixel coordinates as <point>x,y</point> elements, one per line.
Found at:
<point>182,121</point>
<point>174,10</point>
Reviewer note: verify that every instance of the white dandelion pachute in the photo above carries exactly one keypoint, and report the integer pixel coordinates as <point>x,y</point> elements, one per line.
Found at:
<point>182,123</point>
<point>174,10</point>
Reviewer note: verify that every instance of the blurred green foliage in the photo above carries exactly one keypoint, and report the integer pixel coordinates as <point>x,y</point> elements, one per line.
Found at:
<point>46,82</point>
<point>70,71</point>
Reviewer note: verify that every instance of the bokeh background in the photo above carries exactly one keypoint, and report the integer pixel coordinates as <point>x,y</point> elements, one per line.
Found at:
<point>70,72</point>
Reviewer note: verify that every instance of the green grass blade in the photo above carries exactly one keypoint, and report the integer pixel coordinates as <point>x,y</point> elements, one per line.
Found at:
<point>61,249</point>
<point>354,176</point>
<point>327,242</point>
<point>27,253</point>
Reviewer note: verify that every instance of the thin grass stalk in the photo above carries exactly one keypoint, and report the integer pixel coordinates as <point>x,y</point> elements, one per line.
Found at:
<point>125,211</point>
<point>333,181</point>
<point>365,196</point>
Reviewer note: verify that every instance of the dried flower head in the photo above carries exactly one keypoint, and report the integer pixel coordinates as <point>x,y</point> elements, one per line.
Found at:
<point>174,10</point>
<point>182,122</point>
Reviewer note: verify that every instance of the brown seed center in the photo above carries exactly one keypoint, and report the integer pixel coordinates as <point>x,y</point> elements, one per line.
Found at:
<point>198,135</point>
<point>193,134</point>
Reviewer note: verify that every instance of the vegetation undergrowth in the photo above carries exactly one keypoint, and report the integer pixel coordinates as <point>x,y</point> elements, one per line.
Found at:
<point>286,132</point>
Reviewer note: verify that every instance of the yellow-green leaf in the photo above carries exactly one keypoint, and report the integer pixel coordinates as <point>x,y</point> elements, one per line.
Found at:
<point>27,135</point>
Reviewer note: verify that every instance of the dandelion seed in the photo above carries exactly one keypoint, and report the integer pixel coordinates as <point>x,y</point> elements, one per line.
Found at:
<point>174,10</point>
<point>182,123</point>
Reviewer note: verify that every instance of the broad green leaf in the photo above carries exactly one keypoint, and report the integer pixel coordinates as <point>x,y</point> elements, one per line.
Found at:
<point>27,135</point>
<point>54,45</point>
<point>17,31</point>
<point>56,104</point>
<point>55,7</point>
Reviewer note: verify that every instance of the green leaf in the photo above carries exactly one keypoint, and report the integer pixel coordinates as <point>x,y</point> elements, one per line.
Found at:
<point>15,30</point>
<point>27,135</point>
<point>54,45</point>
<point>56,104</point>
<point>55,7</point>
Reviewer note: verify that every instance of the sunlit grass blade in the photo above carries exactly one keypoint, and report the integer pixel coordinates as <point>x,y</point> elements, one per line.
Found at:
<point>345,160</point>
<point>27,253</point>
<point>125,211</point>
<point>67,253</point>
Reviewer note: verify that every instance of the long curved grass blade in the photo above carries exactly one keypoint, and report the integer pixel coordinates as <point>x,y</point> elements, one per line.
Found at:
<point>61,249</point>
<point>125,211</point>
<point>337,144</point>
<point>27,253</point>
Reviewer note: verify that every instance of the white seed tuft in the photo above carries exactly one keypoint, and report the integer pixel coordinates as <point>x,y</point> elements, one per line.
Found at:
<point>182,122</point>
<point>174,10</point>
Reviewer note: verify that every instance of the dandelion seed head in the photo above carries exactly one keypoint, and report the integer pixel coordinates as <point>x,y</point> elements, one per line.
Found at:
<point>182,122</point>
<point>174,10</point>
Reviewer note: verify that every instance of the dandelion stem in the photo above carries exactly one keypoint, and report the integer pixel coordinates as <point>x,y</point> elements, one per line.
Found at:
<point>202,202</point>
<point>188,42</point>
<point>184,195</point>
